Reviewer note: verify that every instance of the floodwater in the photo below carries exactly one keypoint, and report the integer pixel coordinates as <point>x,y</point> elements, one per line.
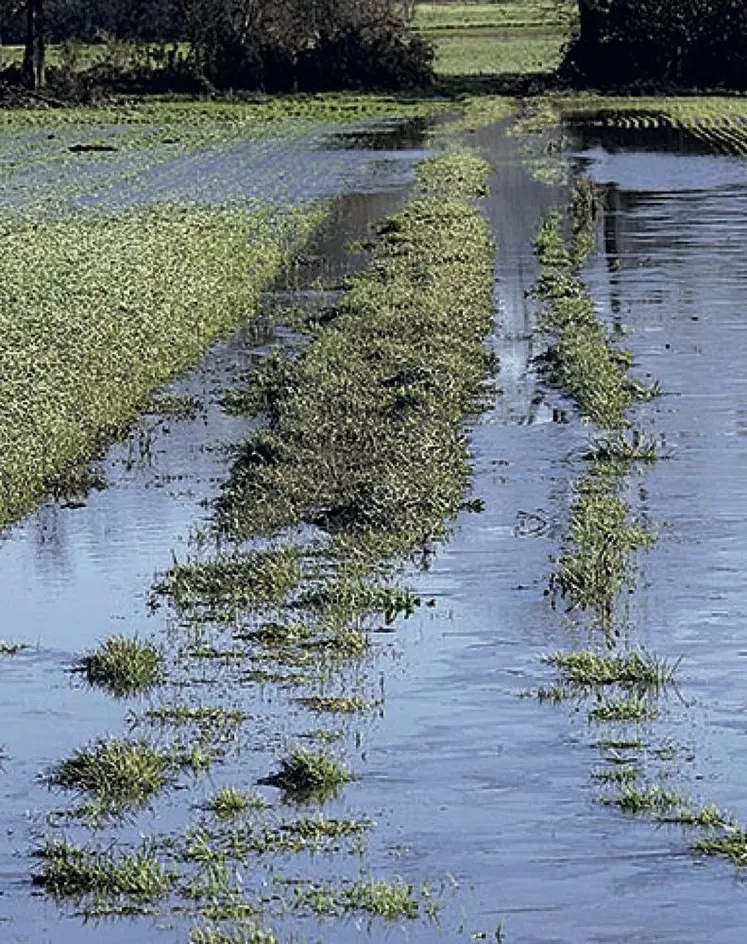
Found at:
<point>484,791</point>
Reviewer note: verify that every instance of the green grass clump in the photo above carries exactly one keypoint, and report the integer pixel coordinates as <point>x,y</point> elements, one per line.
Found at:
<point>593,564</point>
<point>617,449</point>
<point>335,704</point>
<point>235,581</point>
<point>731,844</point>
<point>229,803</point>
<point>309,775</point>
<point>708,816</point>
<point>454,175</point>
<point>391,900</point>
<point>123,666</point>
<point>71,871</point>
<point>208,718</point>
<point>120,774</point>
<point>624,708</point>
<point>655,800</point>
<point>241,935</point>
<point>622,774</point>
<point>588,669</point>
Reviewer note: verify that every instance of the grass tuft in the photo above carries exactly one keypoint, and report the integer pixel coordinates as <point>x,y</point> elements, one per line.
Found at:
<point>241,935</point>
<point>229,803</point>
<point>628,707</point>
<point>120,774</point>
<point>590,669</point>
<point>123,666</point>
<point>309,775</point>
<point>731,845</point>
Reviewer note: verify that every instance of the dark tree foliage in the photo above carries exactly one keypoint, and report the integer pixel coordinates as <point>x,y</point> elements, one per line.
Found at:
<point>273,45</point>
<point>285,45</point>
<point>684,42</point>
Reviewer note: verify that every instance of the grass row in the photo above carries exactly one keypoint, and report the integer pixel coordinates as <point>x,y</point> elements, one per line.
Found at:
<point>365,437</point>
<point>584,365</point>
<point>365,444</point>
<point>621,685</point>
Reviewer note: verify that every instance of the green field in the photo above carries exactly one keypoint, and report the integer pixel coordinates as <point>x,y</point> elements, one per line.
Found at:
<point>497,39</point>
<point>509,14</point>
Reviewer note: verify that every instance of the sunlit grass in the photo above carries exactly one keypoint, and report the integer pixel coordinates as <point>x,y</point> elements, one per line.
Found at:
<point>124,301</point>
<point>123,666</point>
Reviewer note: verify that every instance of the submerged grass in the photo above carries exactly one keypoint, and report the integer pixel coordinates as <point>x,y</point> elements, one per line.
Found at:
<point>240,935</point>
<point>388,899</point>
<point>720,122</point>
<point>592,566</point>
<point>230,803</point>
<point>74,871</point>
<point>630,707</point>
<point>364,443</point>
<point>580,361</point>
<point>236,581</point>
<point>731,844</point>
<point>364,438</point>
<point>307,775</point>
<point>591,669</point>
<point>455,175</point>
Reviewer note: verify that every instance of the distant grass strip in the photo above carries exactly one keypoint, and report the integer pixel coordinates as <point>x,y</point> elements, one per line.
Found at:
<point>580,361</point>
<point>600,538</point>
<point>365,437</point>
<point>719,122</point>
<point>509,14</point>
<point>95,312</point>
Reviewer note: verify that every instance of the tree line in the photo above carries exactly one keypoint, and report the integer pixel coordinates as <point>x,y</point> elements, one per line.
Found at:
<point>257,44</point>
<point>694,43</point>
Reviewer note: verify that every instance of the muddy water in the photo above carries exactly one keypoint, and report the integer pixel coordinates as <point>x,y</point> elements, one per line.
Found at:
<point>483,790</point>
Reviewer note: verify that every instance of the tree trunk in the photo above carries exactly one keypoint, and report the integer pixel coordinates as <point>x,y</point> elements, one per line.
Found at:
<point>32,72</point>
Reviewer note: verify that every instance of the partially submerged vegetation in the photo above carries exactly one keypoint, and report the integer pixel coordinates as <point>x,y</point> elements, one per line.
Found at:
<point>600,539</point>
<point>123,666</point>
<point>127,880</point>
<point>309,775</point>
<point>584,365</point>
<point>622,686</point>
<point>122,774</point>
<point>364,449</point>
<point>592,669</point>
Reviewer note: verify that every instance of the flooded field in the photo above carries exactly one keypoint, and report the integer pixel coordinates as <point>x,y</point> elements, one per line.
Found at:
<point>487,806</point>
